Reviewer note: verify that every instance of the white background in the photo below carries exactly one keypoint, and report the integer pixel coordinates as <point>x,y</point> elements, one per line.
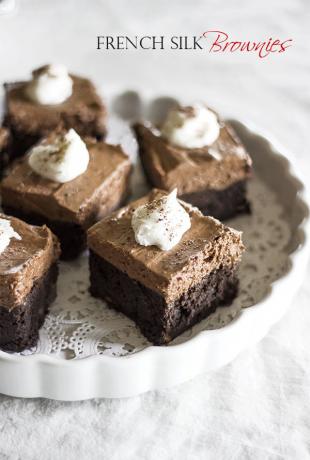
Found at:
<point>258,407</point>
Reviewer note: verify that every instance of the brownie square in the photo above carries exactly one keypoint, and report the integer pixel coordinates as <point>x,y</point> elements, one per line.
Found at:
<point>164,292</point>
<point>28,275</point>
<point>212,178</point>
<point>69,208</point>
<point>28,121</point>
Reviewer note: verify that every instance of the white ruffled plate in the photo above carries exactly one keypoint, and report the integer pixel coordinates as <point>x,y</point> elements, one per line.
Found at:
<point>87,350</point>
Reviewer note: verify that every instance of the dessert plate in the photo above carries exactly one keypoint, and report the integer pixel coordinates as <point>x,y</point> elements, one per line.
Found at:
<point>87,350</point>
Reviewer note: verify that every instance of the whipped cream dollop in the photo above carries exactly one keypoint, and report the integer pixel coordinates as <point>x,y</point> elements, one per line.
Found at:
<point>191,127</point>
<point>161,222</point>
<point>7,232</point>
<point>62,160</point>
<point>50,85</point>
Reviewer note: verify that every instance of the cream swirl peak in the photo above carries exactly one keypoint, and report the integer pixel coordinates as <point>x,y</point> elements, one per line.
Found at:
<point>7,232</point>
<point>191,127</point>
<point>62,160</point>
<point>51,85</point>
<point>161,222</point>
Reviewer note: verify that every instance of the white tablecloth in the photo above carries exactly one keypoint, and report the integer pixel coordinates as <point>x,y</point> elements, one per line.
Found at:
<point>258,406</point>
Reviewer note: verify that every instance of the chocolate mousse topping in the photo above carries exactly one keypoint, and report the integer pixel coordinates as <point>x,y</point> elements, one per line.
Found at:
<point>80,200</point>
<point>215,167</point>
<point>83,111</point>
<point>24,261</point>
<point>205,247</point>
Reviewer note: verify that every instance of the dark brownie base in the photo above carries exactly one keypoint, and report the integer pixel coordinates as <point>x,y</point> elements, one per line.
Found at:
<point>4,160</point>
<point>72,237</point>
<point>221,204</point>
<point>160,322</point>
<point>19,328</point>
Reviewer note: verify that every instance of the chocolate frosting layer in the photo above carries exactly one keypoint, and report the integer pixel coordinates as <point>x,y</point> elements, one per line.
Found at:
<point>78,201</point>
<point>83,110</point>
<point>192,170</point>
<point>206,246</point>
<point>24,261</point>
